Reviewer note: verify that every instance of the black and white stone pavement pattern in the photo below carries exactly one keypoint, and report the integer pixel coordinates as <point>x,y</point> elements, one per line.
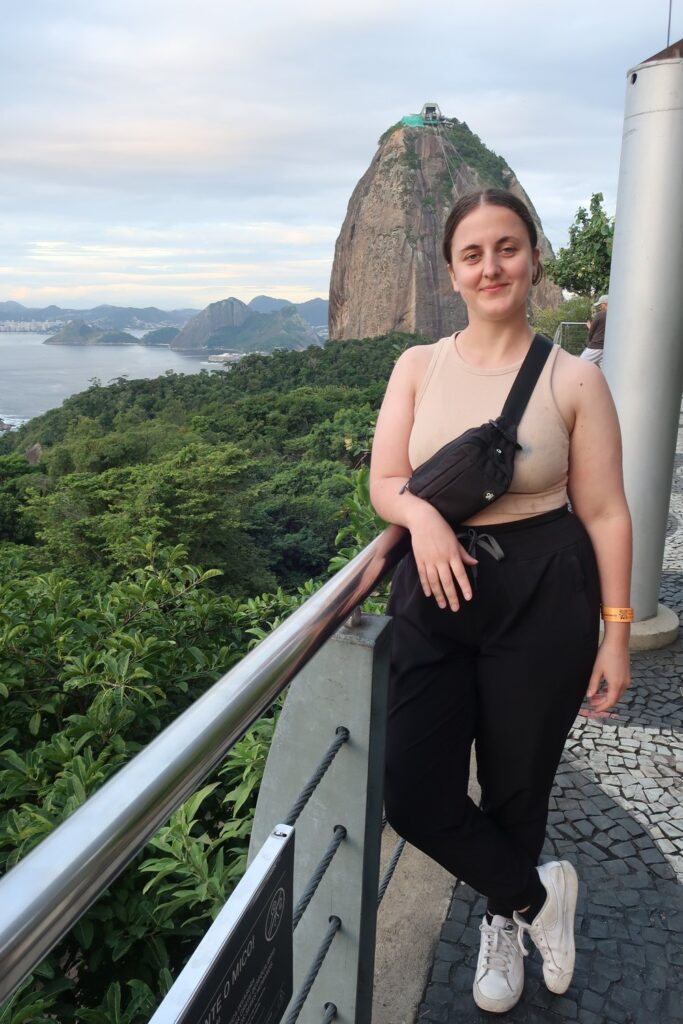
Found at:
<point>617,814</point>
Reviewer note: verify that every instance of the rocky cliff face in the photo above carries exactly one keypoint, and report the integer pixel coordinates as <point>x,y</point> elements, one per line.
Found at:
<point>228,313</point>
<point>231,326</point>
<point>388,272</point>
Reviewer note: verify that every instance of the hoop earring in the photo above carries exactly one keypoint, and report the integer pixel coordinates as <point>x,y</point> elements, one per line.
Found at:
<point>538,274</point>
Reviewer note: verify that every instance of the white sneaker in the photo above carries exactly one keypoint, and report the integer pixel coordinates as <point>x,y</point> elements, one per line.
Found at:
<point>552,930</point>
<point>499,979</point>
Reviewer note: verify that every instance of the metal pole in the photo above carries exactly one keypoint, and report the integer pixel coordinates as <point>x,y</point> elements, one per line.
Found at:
<point>643,359</point>
<point>345,683</point>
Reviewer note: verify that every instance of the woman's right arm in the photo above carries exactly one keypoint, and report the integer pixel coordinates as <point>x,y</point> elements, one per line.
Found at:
<point>438,555</point>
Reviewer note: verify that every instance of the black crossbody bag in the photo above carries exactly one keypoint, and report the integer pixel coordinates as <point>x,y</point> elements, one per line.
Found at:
<point>475,469</point>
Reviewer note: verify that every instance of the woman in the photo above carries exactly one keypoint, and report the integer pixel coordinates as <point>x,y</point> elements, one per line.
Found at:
<point>495,640</point>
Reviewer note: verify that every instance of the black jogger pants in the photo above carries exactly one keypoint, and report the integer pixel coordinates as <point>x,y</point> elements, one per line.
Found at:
<point>508,671</point>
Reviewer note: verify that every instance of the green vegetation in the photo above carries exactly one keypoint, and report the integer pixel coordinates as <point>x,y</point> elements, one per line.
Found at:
<point>263,332</point>
<point>490,167</point>
<point>241,468</point>
<point>575,311</point>
<point>78,332</point>
<point>389,132</point>
<point>584,266</point>
<point>410,157</point>
<point>161,336</point>
<point>169,525</point>
<point>87,681</point>
<point>462,147</point>
<point>411,237</point>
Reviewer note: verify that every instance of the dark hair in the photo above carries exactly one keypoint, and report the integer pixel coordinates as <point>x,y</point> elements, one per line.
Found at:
<point>490,197</point>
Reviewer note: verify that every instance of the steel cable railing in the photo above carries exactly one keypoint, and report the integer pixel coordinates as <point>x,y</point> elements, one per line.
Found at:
<point>48,891</point>
<point>302,995</point>
<point>312,784</point>
<point>316,878</point>
<point>391,867</point>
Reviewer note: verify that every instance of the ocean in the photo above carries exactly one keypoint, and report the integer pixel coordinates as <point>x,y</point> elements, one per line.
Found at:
<point>36,377</point>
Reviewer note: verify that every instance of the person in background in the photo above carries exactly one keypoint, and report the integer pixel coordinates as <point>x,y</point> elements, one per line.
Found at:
<point>596,332</point>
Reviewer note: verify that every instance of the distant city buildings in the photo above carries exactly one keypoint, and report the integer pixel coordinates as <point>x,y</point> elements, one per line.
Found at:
<point>31,326</point>
<point>228,357</point>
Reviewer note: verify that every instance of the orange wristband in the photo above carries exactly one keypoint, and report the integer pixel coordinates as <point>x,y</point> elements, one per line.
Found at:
<point>617,614</point>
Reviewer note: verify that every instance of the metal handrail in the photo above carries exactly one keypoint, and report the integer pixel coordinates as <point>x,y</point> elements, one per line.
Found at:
<point>44,895</point>
<point>558,337</point>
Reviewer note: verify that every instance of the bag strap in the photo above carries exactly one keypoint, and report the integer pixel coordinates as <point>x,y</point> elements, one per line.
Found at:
<point>525,381</point>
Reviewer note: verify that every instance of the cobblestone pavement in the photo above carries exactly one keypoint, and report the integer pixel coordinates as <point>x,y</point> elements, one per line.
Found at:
<point>617,814</point>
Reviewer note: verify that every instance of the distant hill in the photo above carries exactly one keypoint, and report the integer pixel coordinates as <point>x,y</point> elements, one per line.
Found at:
<point>127,316</point>
<point>266,304</point>
<point>104,317</point>
<point>162,336</point>
<point>77,332</point>
<point>263,332</point>
<point>9,310</point>
<point>228,313</point>
<point>232,326</point>
<point>119,318</point>
<point>314,311</point>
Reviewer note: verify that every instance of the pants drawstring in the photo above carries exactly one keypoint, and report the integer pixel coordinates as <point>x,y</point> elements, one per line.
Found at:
<point>471,540</point>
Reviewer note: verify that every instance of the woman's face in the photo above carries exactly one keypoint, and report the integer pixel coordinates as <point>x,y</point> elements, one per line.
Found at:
<point>492,263</point>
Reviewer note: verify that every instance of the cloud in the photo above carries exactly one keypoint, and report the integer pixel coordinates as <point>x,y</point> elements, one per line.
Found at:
<point>176,135</point>
<point>187,266</point>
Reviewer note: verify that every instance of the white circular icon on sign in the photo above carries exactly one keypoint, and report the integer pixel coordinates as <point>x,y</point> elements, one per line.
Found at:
<point>275,914</point>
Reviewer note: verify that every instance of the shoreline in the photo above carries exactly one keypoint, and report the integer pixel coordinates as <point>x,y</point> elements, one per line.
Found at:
<point>37,378</point>
<point>9,423</point>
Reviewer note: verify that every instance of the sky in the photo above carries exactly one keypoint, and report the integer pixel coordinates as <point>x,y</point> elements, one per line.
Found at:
<point>166,153</point>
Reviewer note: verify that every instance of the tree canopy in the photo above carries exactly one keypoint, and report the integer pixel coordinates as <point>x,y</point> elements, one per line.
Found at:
<point>583,267</point>
<point>166,527</point>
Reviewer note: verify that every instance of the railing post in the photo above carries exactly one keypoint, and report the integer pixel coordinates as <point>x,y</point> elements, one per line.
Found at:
<point>345,684</point>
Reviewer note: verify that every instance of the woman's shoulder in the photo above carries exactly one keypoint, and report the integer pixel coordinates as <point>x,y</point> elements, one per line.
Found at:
<point>417,355</point>
<point>414,361</point>
<point>576,383</point>
<point>575,372</point>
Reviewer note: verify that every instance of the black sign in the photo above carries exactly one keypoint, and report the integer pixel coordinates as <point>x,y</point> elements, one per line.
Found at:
<point>246,976</point>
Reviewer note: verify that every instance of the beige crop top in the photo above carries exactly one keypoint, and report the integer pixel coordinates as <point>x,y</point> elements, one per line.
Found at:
<point>455,396</point>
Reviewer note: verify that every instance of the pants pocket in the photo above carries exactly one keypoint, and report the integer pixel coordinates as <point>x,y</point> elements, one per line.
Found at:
<point>584,589</point>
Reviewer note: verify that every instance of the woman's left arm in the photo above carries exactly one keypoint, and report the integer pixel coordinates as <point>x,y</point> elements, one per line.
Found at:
<point>596,491</point>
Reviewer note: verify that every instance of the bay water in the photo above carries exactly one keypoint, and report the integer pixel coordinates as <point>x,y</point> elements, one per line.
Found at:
<point>36,377</point>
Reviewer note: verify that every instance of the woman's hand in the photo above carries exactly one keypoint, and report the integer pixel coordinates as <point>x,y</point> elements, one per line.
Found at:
<point>611,666</point>
<point>439,556</point>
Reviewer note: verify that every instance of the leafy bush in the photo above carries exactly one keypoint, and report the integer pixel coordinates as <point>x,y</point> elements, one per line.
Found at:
<point>238,467</point>
<point>86,683</point>
<point>109,630</point>
<point>575,310</point>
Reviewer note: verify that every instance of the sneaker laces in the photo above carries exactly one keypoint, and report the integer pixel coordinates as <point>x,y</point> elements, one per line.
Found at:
<point>539,938</point>
<point>521,928</point>
<point>499,947</point>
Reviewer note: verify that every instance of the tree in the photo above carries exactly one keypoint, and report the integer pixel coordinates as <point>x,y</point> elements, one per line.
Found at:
<point>86,681</point>
<point>584,266</point>
<point>575,311</point>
